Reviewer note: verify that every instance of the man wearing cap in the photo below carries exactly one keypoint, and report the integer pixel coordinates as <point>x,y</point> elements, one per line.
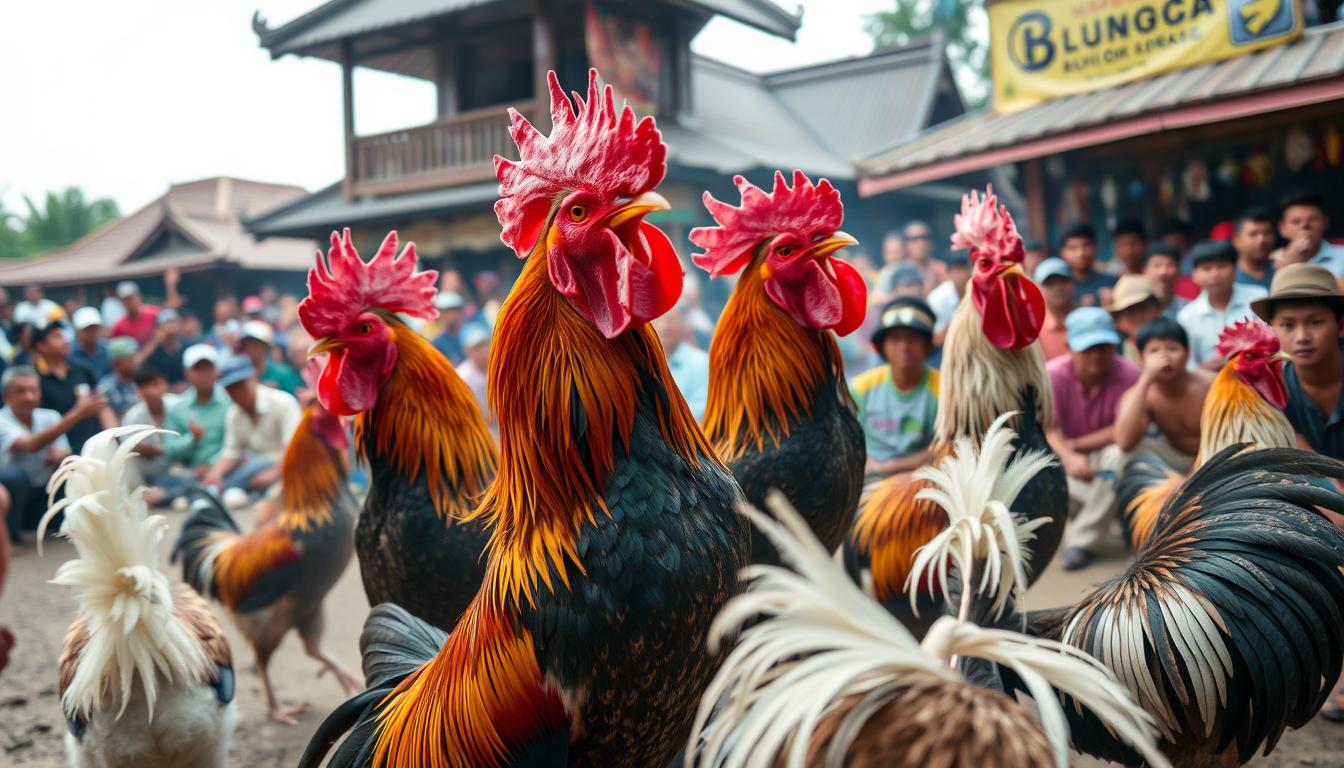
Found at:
<point>1133,304</point>
<point>90,347</point>
<point>198,417</point>
<point>1056,282</point>
<point>898,400</point>
<point>1221,301</point>
<point>448,340</point>
<point>64,383</point>
<point>476,346</point>
<point>1088,385</point>
<point>164,351</point>
<point>945,298</point>
<point>119,385</point>
<point>256,430</point>
<point>141,319</point>
<point>258,345</point>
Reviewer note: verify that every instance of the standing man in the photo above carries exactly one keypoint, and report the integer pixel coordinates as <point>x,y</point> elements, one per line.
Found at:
<point>256,432</point>
<point>1302,222</point>
<point>199,416</point>
<point>64,384</point>
<point>1162,267</point>
<point>1088,385</point>
<point>898,401</point>
<point>1168,395</point>
<point>90,346</point>
<point>689,365</point>
<point>1078,248</point>
<point>1253,238</point>
<point>141,319</point>
<point>1056,282</point>
<point>1129,241</point>
<point>1221,301</point>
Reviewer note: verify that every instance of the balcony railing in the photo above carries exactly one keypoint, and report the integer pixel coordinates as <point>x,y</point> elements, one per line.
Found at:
<point>454,150</point>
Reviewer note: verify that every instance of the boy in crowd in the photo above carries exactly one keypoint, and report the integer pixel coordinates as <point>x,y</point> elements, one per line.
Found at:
<point>1253,239</point>
<point>198,416</point>
<point>1221,301</point>
<point>1129,241</point>
<point>119,385</point>
<point>899,400</point>
<point>1056,282</point>
<point>1302,222</point>
<point>1132,306</point>
<point>1162,267</point>
<point>1078,248</point>
<point>257,429</point>
<point>1168,396</point>
<point>1088,385</point>
<point>154,466</point>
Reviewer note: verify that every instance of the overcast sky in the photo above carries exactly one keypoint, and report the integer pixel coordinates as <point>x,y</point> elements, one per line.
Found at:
<point>123,98</point>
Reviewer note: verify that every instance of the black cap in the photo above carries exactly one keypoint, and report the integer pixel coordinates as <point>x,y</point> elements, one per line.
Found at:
<point>904,312</point>
<point>41,332</point>
<point>1212,250</point>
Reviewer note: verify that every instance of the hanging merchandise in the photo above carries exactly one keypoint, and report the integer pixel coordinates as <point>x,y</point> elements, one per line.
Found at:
<point>1334,146</point>
<point>1229,171</point>
<point>1109,195</point>
<point>1260,167</point>
<point>1195,181</point>
<point>1297,150</point>
<point>1166,191</point>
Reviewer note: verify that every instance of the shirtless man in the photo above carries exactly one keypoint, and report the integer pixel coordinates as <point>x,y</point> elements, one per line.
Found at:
<point>1167,394</point>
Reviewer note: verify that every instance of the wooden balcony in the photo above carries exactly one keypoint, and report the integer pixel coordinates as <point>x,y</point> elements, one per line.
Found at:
<point>447,152</point>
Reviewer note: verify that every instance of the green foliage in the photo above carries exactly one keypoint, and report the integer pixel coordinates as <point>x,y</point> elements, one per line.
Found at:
<point>964,25</point>
<point>62,219</point>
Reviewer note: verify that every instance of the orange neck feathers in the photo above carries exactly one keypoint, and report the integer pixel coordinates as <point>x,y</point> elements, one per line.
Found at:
<point>566,400</point>
<point>311,476</point>
<point>427,420</point>
<point>892,524</point>
<point>763,370</point>
<point>1236,413</point>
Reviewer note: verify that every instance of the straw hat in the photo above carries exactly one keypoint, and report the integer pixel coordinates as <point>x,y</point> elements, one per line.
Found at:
<point>1130,291</point>
<point>1300,282</point>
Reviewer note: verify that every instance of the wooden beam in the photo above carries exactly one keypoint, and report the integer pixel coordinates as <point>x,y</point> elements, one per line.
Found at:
<point>348,117</point>
<point>445,79</point>
<point>543,54</point>
<point>1038,222</point>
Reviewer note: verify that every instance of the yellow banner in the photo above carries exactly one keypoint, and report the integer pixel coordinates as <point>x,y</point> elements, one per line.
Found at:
<point>1044,49</point>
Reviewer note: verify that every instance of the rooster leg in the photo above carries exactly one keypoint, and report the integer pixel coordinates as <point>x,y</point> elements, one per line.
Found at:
<point>348,681</point>
<point>280,714</point>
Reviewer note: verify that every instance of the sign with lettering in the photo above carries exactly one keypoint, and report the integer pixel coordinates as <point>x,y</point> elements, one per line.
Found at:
<point>1044,49</point>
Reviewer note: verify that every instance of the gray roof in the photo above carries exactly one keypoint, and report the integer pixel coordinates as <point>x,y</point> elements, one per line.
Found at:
<point>973,140</point>
<point>327,209</point>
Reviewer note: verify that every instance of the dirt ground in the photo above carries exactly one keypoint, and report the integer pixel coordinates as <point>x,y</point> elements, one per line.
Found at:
<point>31,725</point>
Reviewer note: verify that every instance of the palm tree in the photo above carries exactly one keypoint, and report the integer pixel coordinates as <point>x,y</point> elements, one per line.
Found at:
<point>64,218</point>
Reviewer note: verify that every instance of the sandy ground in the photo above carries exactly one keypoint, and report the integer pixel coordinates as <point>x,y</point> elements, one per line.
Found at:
<point>31,724</point>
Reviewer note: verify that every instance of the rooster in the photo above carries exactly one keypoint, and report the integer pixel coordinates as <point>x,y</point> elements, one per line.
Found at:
<point>990,366</point>
<point>417,426</point>
<point>274,578</point>
<point>145,673</point>
<point>779,410</point>
<point>1244,405</point>
<point>6,637</point>
<point>613,537</point>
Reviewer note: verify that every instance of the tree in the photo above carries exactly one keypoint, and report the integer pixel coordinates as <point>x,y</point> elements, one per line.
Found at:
<point>64,218</point>
<point>11,235</point>
<point>966,29</point>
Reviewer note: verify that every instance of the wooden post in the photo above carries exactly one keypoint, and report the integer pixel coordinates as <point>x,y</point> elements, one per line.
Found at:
<point>445,78</point>
<point>1038,222</point>
<point>543,58</point>
<point>348,107</point>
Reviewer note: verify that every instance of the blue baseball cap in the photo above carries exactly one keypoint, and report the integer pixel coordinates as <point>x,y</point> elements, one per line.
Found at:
<point>1090,326</point>
<point>1051,267</point>
<point>236,369</point>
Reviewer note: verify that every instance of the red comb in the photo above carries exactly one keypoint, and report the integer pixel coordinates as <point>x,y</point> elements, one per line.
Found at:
<point>598,148</point>
<point>802,208</point>
<point>985,226</point>
<point>342,286</point>
<point>1247,336</point>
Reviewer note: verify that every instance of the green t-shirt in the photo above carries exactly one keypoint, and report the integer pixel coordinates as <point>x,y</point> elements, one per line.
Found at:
<point>895,423</point>
<point>281,377</point>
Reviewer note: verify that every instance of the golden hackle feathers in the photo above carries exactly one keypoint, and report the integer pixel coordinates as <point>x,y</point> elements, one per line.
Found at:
<point>818,643</point>
<point>1235,413</point>
<point>976,487</point>
<point>124,601</point>
<point>311,476</point>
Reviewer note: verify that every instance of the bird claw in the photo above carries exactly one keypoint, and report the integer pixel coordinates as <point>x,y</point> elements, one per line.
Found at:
<point>287,715</point>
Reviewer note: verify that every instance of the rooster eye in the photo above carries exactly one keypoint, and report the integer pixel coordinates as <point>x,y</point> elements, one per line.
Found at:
<point>985,264</point>
<point>577,213</point>
<point>786,251</point>
<point>366,328</point>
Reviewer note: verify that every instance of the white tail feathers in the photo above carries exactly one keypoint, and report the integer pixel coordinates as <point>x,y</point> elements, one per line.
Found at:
<point>976,488</point>
<point>124,599</point>
<point>823,641</point>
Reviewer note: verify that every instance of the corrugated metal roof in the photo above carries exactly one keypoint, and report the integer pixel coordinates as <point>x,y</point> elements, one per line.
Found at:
<point>1317,55</point>
<point>207,213</point>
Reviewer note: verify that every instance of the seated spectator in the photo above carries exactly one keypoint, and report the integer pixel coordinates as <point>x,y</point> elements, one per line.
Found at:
<point>1302,222</point>
<point>476,366</point>
<point>1162,267</point>
<point>256,432</point>
<point>1161,412</point>
<point>907,281</point>
<point>153,466</point>
<point>1056,282</point>
<point>918,239</point>
<point>199,415</point>
<point>689,365</point>
<point>164,350</point>
<point>141,319</point>
<point>90,347</point>
<point>1221,301</point>
<point>190,332</point>
<point>1033,253</point>
<point>945,299</point>
<point>258,345</point>
<point>448,339</point>
<point>36,308</point>
<point>1253,239</point>
<point>1133,304</point>
<point>1078,248</point>
<point>32,442</point>
<point>1129,241</point>
<point>64,384</point>
<point>1088,385</point>
<point>119,385</point>
<point>898,400</point>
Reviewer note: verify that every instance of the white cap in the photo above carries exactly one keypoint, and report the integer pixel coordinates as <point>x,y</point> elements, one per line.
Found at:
<point>474,334</point>
<point>259,330</point>
<point>87,317</point>
<point>197,353</point>
<point>449,300</point>
<point>127,288</point>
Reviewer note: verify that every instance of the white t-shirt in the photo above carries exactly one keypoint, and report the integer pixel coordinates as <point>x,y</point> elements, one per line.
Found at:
<point>278,415</point>
<point>34,465</point>
<point>1203,323</point>
<point>1331,257</point>
<point>943,300</point>
<point>37,314</point>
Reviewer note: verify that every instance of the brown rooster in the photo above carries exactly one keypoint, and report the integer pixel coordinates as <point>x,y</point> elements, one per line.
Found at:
<point>613,536</point>
<point>417,425</point>
<point>779,410</point>
<point>1244,405</point>
<point>274,578</point>
<point>990,366</point>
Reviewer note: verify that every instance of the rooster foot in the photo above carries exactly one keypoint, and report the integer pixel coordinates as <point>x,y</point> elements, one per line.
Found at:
<point>287,715</point>
<point>348,681</point>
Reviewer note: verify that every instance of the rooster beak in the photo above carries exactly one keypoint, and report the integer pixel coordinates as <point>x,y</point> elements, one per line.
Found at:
<point>640,206</point>
<point>323,346</point>
<point>1014,269</point>
<point>823,248</point>
<point>1281,355</point>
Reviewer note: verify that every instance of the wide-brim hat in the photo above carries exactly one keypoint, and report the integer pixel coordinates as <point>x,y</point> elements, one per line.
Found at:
<point>1300,282</point>
<point>1130,291</point>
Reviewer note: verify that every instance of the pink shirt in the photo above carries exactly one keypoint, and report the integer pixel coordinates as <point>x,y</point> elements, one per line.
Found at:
<point>1076,413</point>
<point>141,327</point>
